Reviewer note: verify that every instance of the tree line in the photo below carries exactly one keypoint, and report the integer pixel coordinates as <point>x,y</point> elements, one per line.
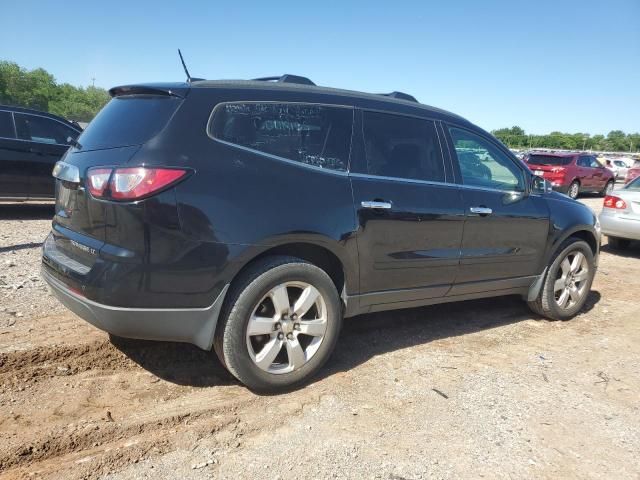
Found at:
<point>38,89</point>
<point>614,141</point>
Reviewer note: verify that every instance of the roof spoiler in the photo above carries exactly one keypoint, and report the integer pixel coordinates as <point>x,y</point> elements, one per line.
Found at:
<point>147,90</point>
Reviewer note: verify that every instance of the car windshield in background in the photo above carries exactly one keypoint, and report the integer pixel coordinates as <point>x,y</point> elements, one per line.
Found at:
<point>634,185</point>
<point>548,160</point>
<point>129,120</point>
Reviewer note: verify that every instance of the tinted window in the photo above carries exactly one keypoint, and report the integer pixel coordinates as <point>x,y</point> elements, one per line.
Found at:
<point>402,147</point>
<point>584,161</point>
<point>483,164</point>
<point>310,134</point>
<point>42,130</point>
<point>536,159</point>
<point>129,120</point>
<point>6,125</point>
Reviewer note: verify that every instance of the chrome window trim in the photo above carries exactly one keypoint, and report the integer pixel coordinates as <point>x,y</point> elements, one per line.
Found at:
<point>406,180</point>
<point>15,128</point>
<point>277,157</point>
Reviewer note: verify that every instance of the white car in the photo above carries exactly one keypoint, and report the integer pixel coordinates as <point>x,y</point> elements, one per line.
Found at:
<point>620,216</point>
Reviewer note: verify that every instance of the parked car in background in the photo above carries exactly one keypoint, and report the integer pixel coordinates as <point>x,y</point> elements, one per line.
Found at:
<point>621,168</point>
<point>252,216</point>
<point>633,172</point>
<point>572,173</point>
<point>620,216</point>
<point>31,142</point>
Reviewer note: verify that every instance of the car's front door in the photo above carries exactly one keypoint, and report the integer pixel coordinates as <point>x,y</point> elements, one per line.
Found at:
<point>599,177</point>
<point>506,227</point>
<point>14,160</point>
<point>46,142</point>
<point>585,172</point>
<point>409,210</point>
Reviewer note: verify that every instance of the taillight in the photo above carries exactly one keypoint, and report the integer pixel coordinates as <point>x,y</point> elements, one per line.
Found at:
<point>97,181</point>
<point>611,201</point>
<point>132,183</point>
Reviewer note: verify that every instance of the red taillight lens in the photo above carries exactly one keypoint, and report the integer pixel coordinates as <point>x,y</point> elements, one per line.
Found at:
<point>611,201</point>
<point>97,180</point>
<point>132,183</point>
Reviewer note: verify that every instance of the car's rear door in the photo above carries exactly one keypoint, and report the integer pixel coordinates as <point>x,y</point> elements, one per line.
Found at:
<point>14,160</point>
<point>409,210</point>
<point>506,227</point>
<point>46,142</point>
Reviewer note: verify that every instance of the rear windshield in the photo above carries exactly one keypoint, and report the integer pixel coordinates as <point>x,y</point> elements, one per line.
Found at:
<point>548,160</point>
<point>129,120</point>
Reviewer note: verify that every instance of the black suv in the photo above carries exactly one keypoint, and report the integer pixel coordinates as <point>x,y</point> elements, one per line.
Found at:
<point>252,216</point>
<point>31,142</point>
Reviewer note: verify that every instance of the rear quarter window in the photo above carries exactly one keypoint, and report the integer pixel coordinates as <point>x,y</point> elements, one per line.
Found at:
<point>315,135</point>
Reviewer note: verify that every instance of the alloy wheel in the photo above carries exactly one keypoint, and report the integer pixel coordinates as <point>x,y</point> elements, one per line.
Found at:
<point>574,190</point>
<point>572,280</point>
<point>286,327</point>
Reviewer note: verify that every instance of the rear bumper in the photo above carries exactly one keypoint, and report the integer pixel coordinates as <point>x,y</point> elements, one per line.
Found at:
<point>189,325</point>
<point>616,226</point>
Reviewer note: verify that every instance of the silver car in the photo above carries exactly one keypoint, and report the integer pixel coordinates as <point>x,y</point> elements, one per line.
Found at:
<point>620,216</point>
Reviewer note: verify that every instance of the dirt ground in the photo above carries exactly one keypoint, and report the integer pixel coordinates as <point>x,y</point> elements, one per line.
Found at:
<point>475,389</point>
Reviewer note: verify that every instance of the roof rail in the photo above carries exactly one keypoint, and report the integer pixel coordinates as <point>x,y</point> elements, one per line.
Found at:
<point>287,78</point>
<point>401,96</point>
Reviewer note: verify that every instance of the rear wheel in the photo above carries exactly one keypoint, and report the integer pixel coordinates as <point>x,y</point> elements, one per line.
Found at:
<point>281,324</point>
<point>567,283</point>
<point>618,243</point>
<point>574,189</point>
<point>608,188</point>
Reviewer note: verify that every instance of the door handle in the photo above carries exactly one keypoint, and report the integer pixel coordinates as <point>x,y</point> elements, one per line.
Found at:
<point>481,210</point>
<point>376,205</point>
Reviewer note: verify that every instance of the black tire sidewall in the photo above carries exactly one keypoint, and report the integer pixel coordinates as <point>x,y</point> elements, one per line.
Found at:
<point>234,347</point>
<point>549,303</point>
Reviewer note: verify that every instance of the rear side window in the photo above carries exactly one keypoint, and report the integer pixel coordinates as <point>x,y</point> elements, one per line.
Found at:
<point>402,147</point>
<point>310,134</point>
<point>42,130</point>
<point>129,120</point>
<point>6,125</point>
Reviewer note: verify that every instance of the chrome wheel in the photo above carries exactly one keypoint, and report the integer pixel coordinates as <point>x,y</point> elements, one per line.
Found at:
<point>287,327</point>
<point>574,190</point>
<point>572,280</point>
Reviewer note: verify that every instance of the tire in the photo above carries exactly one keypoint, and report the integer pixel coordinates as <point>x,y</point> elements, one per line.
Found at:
<point>547,305</point>
<point>574,189</point>
<point>256,294</point>
<point>608,188</point>
<point>618,243</point>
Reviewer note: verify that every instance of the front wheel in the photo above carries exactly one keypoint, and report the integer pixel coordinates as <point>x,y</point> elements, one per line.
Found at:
<point>567,283</point>
<point>280,324</point>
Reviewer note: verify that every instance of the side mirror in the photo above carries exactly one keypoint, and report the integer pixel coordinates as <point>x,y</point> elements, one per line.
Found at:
<point>540,185</point>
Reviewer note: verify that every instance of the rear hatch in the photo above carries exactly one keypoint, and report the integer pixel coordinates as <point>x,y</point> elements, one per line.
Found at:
<point>551,167</point>
<point>134,116</point>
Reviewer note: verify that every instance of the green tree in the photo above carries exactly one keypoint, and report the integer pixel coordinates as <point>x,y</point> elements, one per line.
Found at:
<point>38,89</point>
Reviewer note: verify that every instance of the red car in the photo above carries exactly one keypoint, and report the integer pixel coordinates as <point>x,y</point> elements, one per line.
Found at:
<point>572,173</point>
<point>633,172</point>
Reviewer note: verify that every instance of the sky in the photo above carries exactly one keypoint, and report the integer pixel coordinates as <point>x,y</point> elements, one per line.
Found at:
<point>560,65</point>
